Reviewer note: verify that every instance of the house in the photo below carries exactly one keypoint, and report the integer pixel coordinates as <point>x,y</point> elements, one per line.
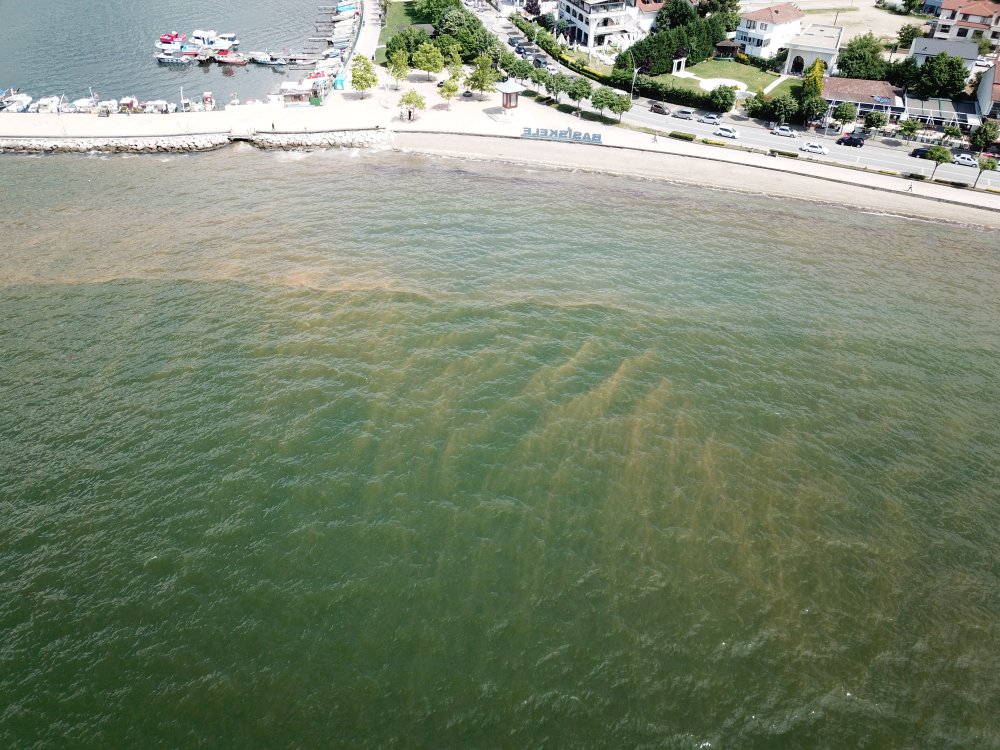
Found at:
<point>968,20</point>
<point>867,96</point>
<point>815,42</point>
<point>766,31</point>
<point>594,24</point>
<point>921,49</point>
<point>644,12</point>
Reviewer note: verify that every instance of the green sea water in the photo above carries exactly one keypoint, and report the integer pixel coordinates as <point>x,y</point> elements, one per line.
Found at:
<point>371,450</point>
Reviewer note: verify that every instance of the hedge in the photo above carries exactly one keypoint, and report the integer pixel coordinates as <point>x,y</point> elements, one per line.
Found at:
<point>681,136</point>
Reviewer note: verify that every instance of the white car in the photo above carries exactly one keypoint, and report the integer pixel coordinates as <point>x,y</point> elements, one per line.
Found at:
<point>966,160</point>
<point>814,148</point>
<point>726,131</point>
<point>711,118</point>
<point>783,130</point>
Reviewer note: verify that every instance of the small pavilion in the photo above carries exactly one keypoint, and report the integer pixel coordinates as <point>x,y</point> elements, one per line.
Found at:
<point>510,90</point>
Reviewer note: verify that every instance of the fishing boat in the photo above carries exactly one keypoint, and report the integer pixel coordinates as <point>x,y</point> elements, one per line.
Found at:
<point>128,104</point>
<point>86,104</point>
<point>47,105</point>
<point>173,57</point>
<point>14,101</point>
<point>231,38</point>
<point>228,57</point>
<point>266,58</point>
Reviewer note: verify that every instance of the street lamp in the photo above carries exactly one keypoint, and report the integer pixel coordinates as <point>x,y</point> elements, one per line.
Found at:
<point>635,74</point>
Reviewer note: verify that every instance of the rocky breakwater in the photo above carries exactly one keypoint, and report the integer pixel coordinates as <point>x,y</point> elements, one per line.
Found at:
<point>366,138</point>
<point>113,145</point>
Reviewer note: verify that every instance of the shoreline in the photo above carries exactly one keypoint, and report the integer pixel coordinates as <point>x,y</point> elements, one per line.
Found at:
<point>477,130</point>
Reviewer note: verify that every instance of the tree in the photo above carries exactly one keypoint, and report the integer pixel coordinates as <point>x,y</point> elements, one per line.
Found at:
<point>532,8</point>
<point>557,84</point>
<point>363,76</point>
<point>723,98</point>
<point>911,6</point>
<point>951,131</point>
<point>909,128</point>
<point>759,105</point>
<point>875,120</point>
<point>984,136</point>
<point>432,10</point>
<point>985,165</point>
<point>399,65</point>
<point>939,155</point>
<point>412,100</point>
<point>907,34</point>
<point>603,99</point>
<point>579,90</point>
<point>984,44</point>
<point>812,81</point>
<point>409,39</point>
<point>675,14</point>
<point>845,113</point>
<point>784,107</point>
<point>539,77</point>
<point>482,76</point>
<point>942,76</point>
<point>812,108</point>
<point>862,58</point>
<point>449,90</point>
<point>428,58</point>
<point>621,105</point>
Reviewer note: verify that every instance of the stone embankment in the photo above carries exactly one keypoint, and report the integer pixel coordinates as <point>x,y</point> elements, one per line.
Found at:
<point>191,143</point>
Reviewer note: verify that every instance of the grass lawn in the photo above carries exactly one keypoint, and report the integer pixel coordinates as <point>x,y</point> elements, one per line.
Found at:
<point>791,86</point>
<point>753,78</point>
<point>397,14</point>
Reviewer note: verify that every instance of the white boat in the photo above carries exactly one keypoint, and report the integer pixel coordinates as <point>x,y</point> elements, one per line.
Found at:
<point>209,39</point>
<point>87,104</point>
<point>16,103</point>
<point>231,38</point>
<point>47,104</point>
<point>266,58</point>
<point>173,57</point>
<point>155,107</point>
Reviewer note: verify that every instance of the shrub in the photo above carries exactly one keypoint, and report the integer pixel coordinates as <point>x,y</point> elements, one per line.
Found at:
<point>713,142</point>
<point>682,136</point>
<point>786,154</point>
<point>913,176</point>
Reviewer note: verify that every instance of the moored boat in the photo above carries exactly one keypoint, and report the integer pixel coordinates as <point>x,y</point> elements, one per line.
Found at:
<point>228,57</point>
<point>173,57</point>
<point>231,38</point>
<point>209,39</point>
<point>266,58</point>
<point>15,102</point>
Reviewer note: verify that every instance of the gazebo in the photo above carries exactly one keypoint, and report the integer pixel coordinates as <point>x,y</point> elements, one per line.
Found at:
<point>510,89</point>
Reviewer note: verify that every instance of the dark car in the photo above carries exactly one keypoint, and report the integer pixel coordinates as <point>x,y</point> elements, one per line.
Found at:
<point>851,140</point>
<point>920,153</point>
<point>659,109</point>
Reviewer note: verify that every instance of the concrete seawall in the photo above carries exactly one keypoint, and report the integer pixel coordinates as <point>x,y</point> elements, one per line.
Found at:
<point>364,138</point>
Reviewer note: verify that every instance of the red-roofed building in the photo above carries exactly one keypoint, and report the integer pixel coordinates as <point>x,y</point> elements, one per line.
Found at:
<point>968,20</point>
<point>764,32</point>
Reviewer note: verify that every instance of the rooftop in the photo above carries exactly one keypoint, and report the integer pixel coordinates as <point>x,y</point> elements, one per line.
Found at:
<point>776,14</point>
<point>955,48</point>
<point>818,36</point>
<point>860,90</point>
<point>971,7</point>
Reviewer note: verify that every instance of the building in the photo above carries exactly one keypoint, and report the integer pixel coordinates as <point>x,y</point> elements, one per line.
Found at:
<point>815,42</point>
<point>968,20</point>
<point>921,49</point>
<point>988,93</point>
<point>764,32</point>
<point>594,24</point>
<point>867,96</point>
<point>644,12</point>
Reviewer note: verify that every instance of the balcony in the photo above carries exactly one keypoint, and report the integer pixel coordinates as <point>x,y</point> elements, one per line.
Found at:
<point>611,6</point>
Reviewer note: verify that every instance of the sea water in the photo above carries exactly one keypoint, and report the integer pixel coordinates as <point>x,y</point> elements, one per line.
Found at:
<point>372,450</point>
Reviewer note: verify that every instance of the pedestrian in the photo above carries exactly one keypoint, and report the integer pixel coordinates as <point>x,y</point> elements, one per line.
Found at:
<point>655,139</point>
<point>910,188</point>
<point>272,127</point>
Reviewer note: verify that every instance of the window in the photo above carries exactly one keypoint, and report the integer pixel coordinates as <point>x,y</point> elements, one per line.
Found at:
<point>945,29</point>
<point>763,27</point>
<point>962,33</point>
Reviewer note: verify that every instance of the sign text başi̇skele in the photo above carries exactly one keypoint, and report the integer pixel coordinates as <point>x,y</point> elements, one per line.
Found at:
<point>561,135</point>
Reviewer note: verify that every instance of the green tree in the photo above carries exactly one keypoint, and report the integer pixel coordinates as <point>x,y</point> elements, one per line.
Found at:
<point>951,132</point>
<point>723,98</point>
<point>412,100</point>
<point>907,34</point>
<point>674,14</point>
<point>845,113</point>
<point>985,165</point>
<point>759,105</point>
<point>862,58</point>
<point>984,136</point>
<point>812,108</point>
<point>911,6</point>
<point>909,128</point>
<point>875,120</point>
<point>482,77</point>
<point>579,90</point>
<point>784,107</point>
<point>984,45</point>
<point>363,76</point>
<point>399,65</point>
<point>942,76</point>
<point>532,8</point>
<point>603,99</point>
<point>433,10</point>
<point>521,69</point>
<point>812,81</point>
<point>409,39</point>
<point>939,155</point>
<point>621,105</point>
<point>557,84</point>
<point>429,59</point>
<point>905,73</point>
<point>539,77</point>
<point>449,90</point>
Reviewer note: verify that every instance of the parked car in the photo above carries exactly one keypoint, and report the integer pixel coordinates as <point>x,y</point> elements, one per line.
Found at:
<point>850,140</point>
<point>683,114</point>
<point>552,69</point>
<point>920,153</point>
<point>513,41</point>
<point>711,118</point>
<point>783,130</point>
<point>814,148</point>
<point>727,131</point>
<point>519,49</point>
<point>659,109</point>
<point>966,160</point>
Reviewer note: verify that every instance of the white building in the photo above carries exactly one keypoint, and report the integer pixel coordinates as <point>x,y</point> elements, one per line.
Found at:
<point>766,31</point>
<point>968,20</point>
<point>594,24</point>
<point>816,42</point>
